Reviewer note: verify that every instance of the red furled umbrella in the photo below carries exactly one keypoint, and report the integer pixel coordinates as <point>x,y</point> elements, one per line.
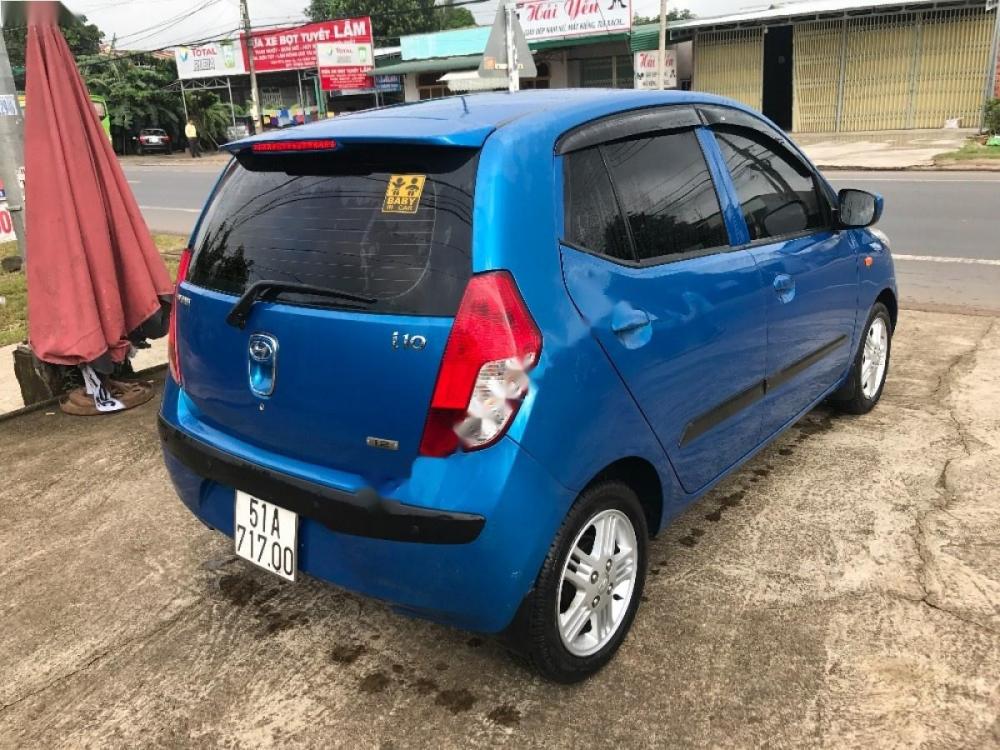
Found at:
<point>95,278</point>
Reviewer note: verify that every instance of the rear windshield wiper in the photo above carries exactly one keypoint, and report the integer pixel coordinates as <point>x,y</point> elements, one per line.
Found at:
<point>269,290</point>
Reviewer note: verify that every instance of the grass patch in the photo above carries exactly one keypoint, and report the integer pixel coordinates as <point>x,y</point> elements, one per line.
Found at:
<point>13,287</point>
<point>971,151</point>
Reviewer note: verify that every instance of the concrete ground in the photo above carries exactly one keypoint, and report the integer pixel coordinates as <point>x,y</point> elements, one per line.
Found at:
<point>886,149</point>
<point>10,390</point>
<point>843,589</point>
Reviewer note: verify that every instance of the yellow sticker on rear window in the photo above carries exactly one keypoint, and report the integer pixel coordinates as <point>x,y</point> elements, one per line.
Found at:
<point>402,194</point>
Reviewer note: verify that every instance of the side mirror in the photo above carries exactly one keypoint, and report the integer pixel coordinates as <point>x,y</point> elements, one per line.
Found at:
<point>858,208</point>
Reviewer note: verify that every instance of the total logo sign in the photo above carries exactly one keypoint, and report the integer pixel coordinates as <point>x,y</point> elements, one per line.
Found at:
<point>206,60</point>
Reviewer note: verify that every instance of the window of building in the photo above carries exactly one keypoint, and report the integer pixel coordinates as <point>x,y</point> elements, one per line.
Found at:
<point>611,72</point>
<point>777,192</point>
<point>429,87</point>
<point>540,81</point>
<point>593,220</point>
<point>667,194</point>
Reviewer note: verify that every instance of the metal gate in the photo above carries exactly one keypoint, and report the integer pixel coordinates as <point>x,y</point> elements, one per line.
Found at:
<point>731,63</point>
<point>912,70</point>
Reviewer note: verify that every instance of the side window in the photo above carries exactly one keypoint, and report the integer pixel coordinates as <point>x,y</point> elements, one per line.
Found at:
<point>593,220</point>
<point>667,194</point>
<point>777,192</point>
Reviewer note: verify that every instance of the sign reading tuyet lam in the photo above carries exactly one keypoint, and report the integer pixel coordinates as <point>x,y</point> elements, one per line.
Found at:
<point>347,65</point>
<point>209,60</point>
<point>553,19</point>
<point>296,48</point>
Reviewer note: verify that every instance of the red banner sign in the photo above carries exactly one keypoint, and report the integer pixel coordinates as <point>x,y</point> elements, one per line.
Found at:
<point>295,48</point>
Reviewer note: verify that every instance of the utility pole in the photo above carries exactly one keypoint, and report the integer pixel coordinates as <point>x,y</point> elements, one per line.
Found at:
<point>12,148</point>
<point>513,72</point>
<point>661,63</point>
<point>255,112</point>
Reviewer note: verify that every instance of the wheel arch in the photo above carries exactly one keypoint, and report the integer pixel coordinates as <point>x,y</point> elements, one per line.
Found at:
<point>639,474</point>
<point>888,298</point>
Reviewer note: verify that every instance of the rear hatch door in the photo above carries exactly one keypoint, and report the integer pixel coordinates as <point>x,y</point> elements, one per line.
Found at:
<point>341,379</point>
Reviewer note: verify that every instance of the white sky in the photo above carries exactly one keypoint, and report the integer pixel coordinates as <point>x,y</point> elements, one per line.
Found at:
<point>152,24</point>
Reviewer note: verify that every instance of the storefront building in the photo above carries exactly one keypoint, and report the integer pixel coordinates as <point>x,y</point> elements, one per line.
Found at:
<point>843,66</point>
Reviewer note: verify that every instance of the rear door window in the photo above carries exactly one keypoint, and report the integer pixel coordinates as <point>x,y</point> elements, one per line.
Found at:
<point>380,221</point>
<point>593,221</point>
<point>667,194</point>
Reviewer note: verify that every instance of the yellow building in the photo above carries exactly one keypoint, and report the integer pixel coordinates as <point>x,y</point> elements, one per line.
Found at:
<point>850,65</point>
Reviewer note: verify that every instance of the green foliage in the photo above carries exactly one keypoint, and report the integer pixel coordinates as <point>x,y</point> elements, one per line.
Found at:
<point>392,19</point>
<point>83,39</point>
<point>133,86</point>
<point>673,14</point>
<point>991,116</point>
<point>211,116</point>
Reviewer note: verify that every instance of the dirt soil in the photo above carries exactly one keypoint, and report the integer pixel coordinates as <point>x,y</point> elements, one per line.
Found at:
<point>843,589</point>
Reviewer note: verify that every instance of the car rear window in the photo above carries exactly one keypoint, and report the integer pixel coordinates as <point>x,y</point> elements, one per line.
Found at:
<point>386,222</point>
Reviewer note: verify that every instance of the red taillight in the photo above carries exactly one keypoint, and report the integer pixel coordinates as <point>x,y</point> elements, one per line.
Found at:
<point>309,145</point>
<point>172,356</point>
<point>493,344</point>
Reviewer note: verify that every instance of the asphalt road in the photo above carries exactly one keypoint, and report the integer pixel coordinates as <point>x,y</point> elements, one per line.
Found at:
<point>942,225</point>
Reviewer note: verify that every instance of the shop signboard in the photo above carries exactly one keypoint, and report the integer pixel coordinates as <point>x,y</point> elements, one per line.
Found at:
<point>296,48</point>
<point>209,60</point>
<point>555,19</point>
<point>647,70</point>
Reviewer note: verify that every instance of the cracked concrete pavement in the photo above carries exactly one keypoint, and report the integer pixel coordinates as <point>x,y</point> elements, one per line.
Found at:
<point>843,589</point>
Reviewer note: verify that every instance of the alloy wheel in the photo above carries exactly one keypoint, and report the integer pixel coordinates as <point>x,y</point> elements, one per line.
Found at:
<point>598,580</point>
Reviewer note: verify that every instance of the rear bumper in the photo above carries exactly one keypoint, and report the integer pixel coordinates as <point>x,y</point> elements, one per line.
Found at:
<point>362,513</point>
<point>505,504</point>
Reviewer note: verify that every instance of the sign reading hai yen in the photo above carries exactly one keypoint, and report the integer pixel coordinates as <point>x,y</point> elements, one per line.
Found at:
<point>647,70</point>
<point>551,19</point>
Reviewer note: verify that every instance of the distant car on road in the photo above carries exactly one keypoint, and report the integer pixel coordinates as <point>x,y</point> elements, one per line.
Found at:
<point>152,140</point>
<point>468,355</point>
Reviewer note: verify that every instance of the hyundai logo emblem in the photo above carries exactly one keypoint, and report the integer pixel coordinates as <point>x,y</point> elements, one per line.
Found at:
<point>261,348</point>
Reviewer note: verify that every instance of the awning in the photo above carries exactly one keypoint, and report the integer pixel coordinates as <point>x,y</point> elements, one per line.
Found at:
<point>470,80</point>
<point>431,65</point>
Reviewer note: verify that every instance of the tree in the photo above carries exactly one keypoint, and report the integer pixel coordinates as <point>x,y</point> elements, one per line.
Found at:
<point>392,19</point>
<point>674,14</point>
<point>134,88</point>
<point>83,39</point>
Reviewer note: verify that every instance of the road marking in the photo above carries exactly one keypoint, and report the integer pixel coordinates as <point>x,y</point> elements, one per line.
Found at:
<point>946,259</point>
<point>134,182</point>
<point>171,208</point>
<point>911,181</point>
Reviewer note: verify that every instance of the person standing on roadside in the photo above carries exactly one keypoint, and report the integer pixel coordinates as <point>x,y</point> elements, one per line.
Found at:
<point>192,137</point>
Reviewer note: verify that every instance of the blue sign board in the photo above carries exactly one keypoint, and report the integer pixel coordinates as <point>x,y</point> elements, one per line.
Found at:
<point>388,83</point>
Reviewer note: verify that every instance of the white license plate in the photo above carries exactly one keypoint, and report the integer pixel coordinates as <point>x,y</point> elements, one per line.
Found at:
<point>266,535</point>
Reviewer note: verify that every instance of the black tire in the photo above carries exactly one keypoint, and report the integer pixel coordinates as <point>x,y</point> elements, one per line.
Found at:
<point>535,633</point>
<point>850,397</point>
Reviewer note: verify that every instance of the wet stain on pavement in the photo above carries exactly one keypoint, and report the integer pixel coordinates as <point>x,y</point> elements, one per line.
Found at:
<point>441,666</point>
<point>275,622</point>
<point>474,642</point>
<point>785,451</point>
<point>691,539</point>
<point>347,653</point>
<point>505,715</point>
<point>425,686</point>
<point>238,589</point>
<point>715,516</point>
<point>456,701</point>
<point>376,682</point>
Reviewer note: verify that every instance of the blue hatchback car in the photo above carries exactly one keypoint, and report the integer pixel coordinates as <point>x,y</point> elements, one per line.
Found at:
<point>468,355</point>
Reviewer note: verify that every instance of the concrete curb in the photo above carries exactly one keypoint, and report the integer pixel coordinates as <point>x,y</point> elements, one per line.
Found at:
<point>24,410</point>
